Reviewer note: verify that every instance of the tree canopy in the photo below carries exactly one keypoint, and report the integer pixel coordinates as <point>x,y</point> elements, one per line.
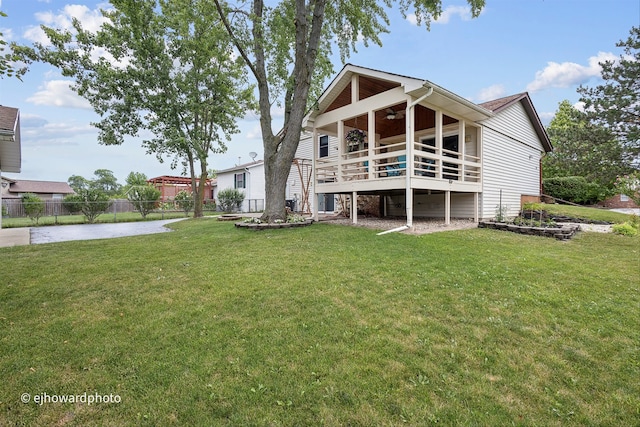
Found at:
<point>164,66</point>
<point>7,67</point>
<point>616,103</point>
<point>583,148</point>
<point>287,46</point>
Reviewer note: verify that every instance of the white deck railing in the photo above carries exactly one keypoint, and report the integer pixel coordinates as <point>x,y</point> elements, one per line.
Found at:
<point>390,161</point>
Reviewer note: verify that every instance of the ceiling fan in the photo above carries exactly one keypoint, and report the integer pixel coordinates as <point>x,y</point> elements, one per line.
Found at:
<point>393,115</point>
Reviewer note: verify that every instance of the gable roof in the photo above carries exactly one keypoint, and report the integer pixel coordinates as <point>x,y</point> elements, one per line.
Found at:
<point>10,150</point>
<point>438,96</point>
<point>500,104</point>
<point>242,166</point>
<point>40,187</point>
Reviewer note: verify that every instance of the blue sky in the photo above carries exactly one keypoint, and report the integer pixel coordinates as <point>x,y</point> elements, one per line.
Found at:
<point>545,47</point>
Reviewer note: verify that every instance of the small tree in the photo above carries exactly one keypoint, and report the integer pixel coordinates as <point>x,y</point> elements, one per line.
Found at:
<point>184,200</point>
<point>144,198</point>
<point>94,203</point>
<point>230,199</point>
<point>33,206</point>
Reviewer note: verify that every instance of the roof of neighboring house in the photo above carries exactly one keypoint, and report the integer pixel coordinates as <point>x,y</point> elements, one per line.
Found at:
<point>500,104</point>
<point>40,187</point>
<point>242,166</point>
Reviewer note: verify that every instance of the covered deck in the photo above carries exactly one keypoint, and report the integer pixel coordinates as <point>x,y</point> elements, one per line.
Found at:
<point>393,133</point>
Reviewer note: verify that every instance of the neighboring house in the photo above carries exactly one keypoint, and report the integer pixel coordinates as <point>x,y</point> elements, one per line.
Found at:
<point>619,201</point>
<point>169,186</point>
<point>51,192</point>
<point>10,144</point>
<point>46,190</point>
<point>248,178</point>
<point>425,151</point>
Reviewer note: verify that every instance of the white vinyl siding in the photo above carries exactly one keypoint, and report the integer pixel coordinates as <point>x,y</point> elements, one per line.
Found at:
<point>511,161</point>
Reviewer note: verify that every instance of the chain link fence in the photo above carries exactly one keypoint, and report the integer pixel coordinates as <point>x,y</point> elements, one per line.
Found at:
<point>16,208</point>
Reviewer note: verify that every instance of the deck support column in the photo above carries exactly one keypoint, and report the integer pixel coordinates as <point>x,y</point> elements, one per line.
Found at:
<point>476,215</point>
<point>409,206</point>
<point>354,207</point>
<point>447,207</point>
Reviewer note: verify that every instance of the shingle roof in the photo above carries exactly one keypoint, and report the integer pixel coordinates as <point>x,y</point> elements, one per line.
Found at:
<point>241,167</point>
<point>8,118</point>
<point>40,187</point>
<point>500,104</point>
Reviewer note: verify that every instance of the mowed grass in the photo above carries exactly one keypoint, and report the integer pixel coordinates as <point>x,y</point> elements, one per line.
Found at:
<point>324,325</point>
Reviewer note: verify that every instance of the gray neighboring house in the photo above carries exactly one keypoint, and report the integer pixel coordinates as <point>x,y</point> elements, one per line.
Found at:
<point>10,150</point>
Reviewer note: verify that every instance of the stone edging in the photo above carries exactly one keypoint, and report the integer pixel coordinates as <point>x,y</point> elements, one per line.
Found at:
<point>268,226</point>
<point>564,232</point>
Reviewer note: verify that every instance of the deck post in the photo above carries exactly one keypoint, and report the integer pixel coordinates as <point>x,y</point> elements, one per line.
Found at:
<point>447,207</point>
<point>354,207</point>
<point>476,214</point>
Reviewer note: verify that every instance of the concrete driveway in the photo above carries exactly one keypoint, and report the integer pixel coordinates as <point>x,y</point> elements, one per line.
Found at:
<point>64,233</point>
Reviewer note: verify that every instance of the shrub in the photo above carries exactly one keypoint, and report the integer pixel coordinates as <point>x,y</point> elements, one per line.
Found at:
<point>33,206</point>
<point>144,198</point>
<point>73,203</point>
<point>625,229</point>
<point>575,189</point>
<point>230,199</point>
<point>185,202</point>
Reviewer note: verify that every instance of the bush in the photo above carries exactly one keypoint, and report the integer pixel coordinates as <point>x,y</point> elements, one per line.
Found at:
<point>73,203</point>
<point>185,202</point>
<point>230,199</point>
<point>144,198</point>
<point>575,189</point>
<point>33,206</point>
<point>625,229</point>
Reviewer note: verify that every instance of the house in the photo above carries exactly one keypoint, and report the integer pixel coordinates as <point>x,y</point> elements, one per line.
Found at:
<point>170,186</point>
<point>51,192</point>
<point>10,144</point>
<point>422,150</point>
<point>248,178</point>
<point>46,190</point>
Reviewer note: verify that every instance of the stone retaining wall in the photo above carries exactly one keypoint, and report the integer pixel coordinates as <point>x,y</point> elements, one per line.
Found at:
<point>564,232</point>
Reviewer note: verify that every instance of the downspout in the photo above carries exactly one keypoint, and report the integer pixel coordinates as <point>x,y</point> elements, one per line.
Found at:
<point>409,161</point>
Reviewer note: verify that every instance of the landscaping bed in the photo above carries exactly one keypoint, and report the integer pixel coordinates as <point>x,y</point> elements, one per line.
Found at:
<point>562,232</point>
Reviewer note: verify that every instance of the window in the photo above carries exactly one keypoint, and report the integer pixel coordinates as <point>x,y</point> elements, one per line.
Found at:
<point>324,146</point>
<point>239,180</point>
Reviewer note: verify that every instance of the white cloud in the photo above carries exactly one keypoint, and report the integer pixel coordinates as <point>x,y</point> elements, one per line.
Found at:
<point>58,93</point>
<point>568,74</point>
<point>490,93</point>
<point>91,20</point>
<point>463,12</point>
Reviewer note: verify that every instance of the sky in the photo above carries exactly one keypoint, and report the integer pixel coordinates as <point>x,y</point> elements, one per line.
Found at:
<point>547,48</point>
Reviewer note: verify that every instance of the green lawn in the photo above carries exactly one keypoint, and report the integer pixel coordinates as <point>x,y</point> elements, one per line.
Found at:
<point>323,325</point>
